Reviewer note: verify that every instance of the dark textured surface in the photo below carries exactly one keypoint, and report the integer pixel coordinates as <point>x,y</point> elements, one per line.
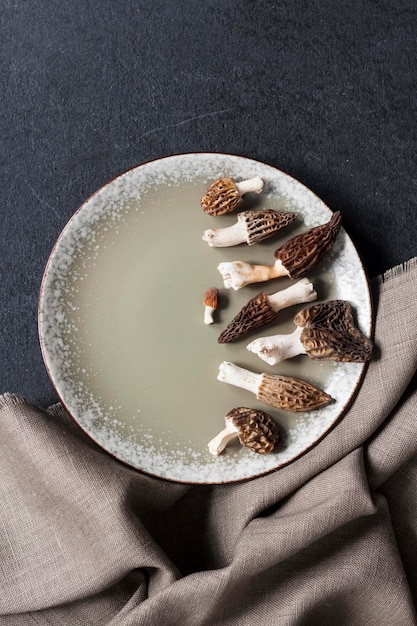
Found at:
<point>324,91</point>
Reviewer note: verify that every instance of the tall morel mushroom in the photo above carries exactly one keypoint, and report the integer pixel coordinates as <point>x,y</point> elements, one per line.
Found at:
<point>255,429</point>
<point>263,309</point>
<point>294,259</point>
<point>303,252</point>
<point>282,392</point>
<point>325,331</point>
<point>251,228</point>
<point>225,195</point>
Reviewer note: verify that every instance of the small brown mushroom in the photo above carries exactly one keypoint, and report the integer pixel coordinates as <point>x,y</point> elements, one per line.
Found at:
<point>256,430</point>
<point>294,259</point>
<point>282,392</point>
<point>251,228</point>
<point>225,195</point>
<point>263,309</point>
<point>325,331</point>
<point>210,302</point>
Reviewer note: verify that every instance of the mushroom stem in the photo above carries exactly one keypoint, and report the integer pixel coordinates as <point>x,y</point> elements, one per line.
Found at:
<point>302,291</point>
<point>277,348</point>
<point>208,314</point>
<point>254,185</point>
<point>224,237</point>
<point>220,441</point>
<point>238,274</point>
<point>239,377</point>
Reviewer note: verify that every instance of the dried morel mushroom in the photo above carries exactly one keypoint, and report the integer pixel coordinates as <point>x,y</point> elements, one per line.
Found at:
<point>294,259</point>
<point>324,331</point>
<point>282,392</point>
<point>251,228</point>
<point>210,302</point>
<point>225,195</point>
<point>329,332</point>
<point>263,309</point>
<point>256,430</point>
<point>303,252</point>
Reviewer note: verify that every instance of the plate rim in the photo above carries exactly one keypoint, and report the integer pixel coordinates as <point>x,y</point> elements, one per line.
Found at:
<point>299,455</point>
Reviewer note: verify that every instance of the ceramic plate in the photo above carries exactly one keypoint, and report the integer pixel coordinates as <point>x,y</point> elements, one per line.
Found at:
<point>121,320</point>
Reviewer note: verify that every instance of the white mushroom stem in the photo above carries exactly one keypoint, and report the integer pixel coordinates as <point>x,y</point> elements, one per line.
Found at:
<point>220,441</point>
<point>239,377</point>
<point>277,348</point>
<point>238,274</point>
<point>300,292</point>
<point>225,237</point>
<point>254,185</point>
<point>208,314</point>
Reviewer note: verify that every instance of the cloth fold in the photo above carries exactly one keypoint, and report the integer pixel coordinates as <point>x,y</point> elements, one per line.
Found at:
<point>329,539</point>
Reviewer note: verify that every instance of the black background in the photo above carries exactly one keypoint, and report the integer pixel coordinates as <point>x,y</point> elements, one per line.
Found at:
<point>325,91</point>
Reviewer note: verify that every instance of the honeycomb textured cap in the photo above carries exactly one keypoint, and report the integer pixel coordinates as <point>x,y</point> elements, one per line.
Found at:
<point>330,333</point>
<point>257,312</point>
<point>303,252</point>
<point>291,394</point>
<point>256,430</point>
<point>221,197</point>
<point>264,223</point>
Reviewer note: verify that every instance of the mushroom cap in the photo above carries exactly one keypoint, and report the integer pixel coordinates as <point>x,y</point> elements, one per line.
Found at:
<point>211,297</point>
<point>303,252</point>
<point>263,224</point>
<point>291,394</point>
<point>329,333</point>
<point>257,312</point>
<point>221,197</point>
<point>256,430</point>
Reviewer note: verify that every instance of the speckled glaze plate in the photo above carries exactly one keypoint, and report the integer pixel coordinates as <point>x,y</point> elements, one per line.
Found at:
<point>121,320</point>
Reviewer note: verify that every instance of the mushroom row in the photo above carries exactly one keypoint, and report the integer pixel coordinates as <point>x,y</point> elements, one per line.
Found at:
<point>324,331</point>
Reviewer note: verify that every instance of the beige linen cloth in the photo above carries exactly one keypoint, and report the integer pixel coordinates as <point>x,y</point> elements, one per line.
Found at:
<point>329,539</point>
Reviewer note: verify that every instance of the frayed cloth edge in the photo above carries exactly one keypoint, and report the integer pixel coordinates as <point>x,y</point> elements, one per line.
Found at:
<point>397,270</point>
<point>10,399</point>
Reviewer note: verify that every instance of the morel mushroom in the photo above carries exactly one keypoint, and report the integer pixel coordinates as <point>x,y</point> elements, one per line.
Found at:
<point>294,259</point>
<point>251,228</point>
<point>282,392</point>
<point>225,195</point>
<point>256,430</point>
<point>210,302</point>
<point>303,252</point>
<point>263,309</point>
<point>324,332</point>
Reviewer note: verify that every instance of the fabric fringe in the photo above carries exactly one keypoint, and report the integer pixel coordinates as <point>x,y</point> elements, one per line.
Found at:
<point>10,399</point>
<point>398,270</point>
<point>56,409</point>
